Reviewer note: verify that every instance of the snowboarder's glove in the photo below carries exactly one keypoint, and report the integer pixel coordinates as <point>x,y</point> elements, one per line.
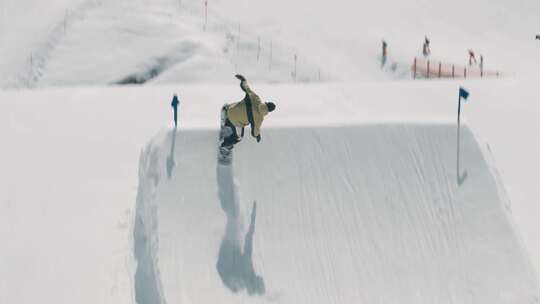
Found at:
<point>240,77</point>
<point>243,84</point>
<point>258,138</point>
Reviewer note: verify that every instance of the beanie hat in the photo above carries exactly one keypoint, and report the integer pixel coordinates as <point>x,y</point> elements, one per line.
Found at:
<point>271,106</point>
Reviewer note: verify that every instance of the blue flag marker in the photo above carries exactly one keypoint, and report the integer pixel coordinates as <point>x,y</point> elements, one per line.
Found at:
<point>463,93</point>
<point>174,105</point>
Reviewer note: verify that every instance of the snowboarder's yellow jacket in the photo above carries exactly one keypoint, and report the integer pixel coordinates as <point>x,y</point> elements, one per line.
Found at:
<point>238,112</point>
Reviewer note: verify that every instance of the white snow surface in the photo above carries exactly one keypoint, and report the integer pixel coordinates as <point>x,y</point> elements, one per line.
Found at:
<point>359,202</point>
<point>347,214</point>
<point>353,195</point>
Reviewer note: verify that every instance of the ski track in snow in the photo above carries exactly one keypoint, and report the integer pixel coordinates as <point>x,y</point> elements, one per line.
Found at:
<point>41,55</point>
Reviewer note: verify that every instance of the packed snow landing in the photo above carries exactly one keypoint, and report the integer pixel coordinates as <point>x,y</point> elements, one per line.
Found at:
<point>361,213</point>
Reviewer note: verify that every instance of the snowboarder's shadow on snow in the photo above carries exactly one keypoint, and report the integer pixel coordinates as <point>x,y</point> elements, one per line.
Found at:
<point>170,158</point>
<point>235,266</point>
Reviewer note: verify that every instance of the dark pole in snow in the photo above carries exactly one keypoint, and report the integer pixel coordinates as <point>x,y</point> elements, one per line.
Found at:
<point>458,136</point>
<point>414,68</point>
<point>459,110</point>
<point>294,73</point>
<point>174,105</point>
<point>205,14</point>
<point>481,66</point>
<point>462,93</point>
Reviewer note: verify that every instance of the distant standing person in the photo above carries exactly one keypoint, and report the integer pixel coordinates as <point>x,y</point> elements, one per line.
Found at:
<point>426,50</point>
<point>472,58</point>
<point>384,52</point>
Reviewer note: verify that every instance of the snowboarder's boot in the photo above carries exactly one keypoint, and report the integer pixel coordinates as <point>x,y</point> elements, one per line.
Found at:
<point>226,140</point>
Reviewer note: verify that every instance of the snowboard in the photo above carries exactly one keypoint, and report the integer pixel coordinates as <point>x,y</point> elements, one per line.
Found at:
<point>225,154</point>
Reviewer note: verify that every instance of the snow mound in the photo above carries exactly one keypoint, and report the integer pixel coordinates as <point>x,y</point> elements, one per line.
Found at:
<point>360,213</point>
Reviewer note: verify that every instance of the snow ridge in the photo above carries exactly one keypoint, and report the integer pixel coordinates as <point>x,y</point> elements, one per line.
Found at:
<point>156,66</point>
<point>148,288</point>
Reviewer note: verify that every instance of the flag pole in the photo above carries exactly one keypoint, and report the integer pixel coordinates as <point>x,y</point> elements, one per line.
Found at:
<point>462,93</point>
<point>458,137</point>
<point>459,110</point>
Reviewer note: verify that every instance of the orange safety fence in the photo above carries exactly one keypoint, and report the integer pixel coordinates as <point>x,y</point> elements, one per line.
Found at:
<point>423,68</point>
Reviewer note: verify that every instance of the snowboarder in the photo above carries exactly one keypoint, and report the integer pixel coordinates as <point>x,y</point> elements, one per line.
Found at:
<point>249,111</point>
<point>472,58</point>
<point>384,52</point>
<point>538,37</point>
<point>426,50</point>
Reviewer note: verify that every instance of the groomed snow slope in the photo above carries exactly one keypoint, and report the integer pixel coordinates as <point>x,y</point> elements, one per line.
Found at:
<point>360,213</point>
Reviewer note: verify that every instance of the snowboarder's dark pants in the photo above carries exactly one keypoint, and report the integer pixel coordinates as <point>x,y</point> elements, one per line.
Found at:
<point>233,138</point>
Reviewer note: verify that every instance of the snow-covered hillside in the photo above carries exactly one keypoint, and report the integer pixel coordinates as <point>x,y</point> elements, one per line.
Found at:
<point>166,41</point>
<point>73,175</point>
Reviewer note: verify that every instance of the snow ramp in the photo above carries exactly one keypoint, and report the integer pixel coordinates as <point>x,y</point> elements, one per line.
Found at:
<point>373,213</point>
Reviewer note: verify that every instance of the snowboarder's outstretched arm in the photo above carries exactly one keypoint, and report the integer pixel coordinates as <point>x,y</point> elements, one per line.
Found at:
<point>254,108</point>
<point>250,95</point>
<point>243,83</point>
